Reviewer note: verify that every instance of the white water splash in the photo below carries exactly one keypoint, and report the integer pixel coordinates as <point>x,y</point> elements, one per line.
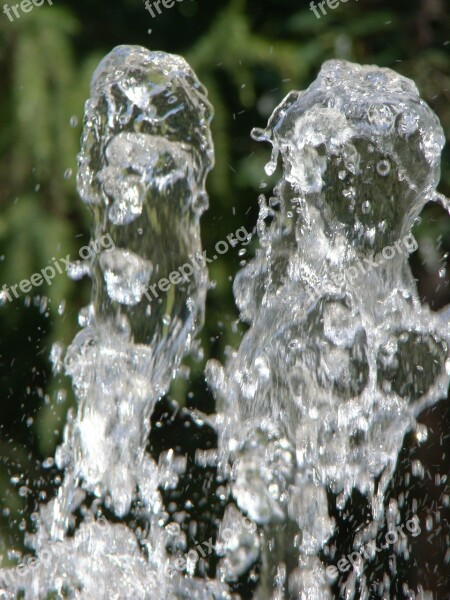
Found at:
<point>146,150</point>
<point>332,373</point>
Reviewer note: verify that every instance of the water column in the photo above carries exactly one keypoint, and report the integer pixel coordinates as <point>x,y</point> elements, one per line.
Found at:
<point>340,357</point>
<point>146,151</point>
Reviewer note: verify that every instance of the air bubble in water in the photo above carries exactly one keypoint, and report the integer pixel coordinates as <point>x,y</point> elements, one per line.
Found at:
<point>383,168</point>
<point>126,274</point>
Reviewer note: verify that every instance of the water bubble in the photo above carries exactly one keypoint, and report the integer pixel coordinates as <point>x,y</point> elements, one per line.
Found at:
<point>73,121</point>
<point>126,275</point>
<point>381,116</point>
<point>407,124</point>
<point>383,168</point>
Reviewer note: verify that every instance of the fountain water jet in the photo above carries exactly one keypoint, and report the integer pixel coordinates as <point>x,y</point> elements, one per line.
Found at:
<point>331,374</point>
<point>334,369</point>
<point>146,151</point>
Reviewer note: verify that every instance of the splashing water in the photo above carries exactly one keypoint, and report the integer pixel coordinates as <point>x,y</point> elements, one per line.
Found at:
<point>339,360</point>
<point>146,151</point>
<point>340,357</point>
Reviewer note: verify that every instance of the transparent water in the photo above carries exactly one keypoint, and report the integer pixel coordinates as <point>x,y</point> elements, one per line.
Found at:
<point>146,150</point>
<point>339,359</point>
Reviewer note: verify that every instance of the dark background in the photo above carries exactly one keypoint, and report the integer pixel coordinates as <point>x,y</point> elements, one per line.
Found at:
<point>249,55</point>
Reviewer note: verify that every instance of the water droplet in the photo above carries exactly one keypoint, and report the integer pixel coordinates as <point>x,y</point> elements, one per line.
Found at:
<point>421,433</point>
<point>68,173</point>
<point>258,134</point>
<point>73,121</point>
<point>48,463</point>
<point>78,270</point>
<point>270,168</point>
<point>417,469</point>
<point>43,304</point>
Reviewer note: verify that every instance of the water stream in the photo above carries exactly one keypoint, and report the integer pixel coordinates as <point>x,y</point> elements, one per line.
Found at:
<point>339,359</point>
<point>146,150</point>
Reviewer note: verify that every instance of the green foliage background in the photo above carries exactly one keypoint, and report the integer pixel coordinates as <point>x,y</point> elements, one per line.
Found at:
<point>249,55</point>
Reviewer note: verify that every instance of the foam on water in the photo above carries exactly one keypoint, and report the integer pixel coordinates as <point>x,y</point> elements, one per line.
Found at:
<point>340,357</point>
